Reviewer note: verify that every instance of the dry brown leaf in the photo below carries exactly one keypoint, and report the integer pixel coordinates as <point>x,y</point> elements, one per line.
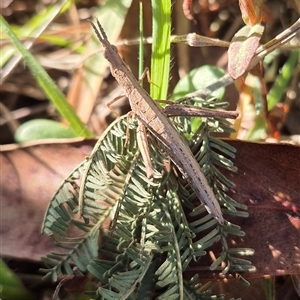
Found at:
<point>29,178</point>
<point>267,181</point>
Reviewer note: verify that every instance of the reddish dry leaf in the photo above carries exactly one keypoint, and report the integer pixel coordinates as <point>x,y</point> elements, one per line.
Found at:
<point>242,49</point>
<point>187,9</point>
<point>267,181</point>
<point>251,11</point>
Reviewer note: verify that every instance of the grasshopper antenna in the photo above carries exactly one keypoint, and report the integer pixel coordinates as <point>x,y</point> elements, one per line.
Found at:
<point>101,35</point>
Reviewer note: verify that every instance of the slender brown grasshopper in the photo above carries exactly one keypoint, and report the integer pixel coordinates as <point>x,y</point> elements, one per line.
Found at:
<point>152,116</point>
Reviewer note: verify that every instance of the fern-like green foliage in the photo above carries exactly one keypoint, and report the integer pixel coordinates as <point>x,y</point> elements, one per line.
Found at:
<point>150,244</point>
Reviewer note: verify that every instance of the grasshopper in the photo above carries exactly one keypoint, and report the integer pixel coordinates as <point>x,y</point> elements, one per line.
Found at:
<point>153,118</point>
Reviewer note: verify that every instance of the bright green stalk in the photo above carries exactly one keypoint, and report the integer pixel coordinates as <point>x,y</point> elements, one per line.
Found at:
<point>160,61</point>
<point>141,44</point>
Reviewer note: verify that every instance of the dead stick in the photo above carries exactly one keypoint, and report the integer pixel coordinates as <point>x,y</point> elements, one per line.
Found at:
<point>194,111</point>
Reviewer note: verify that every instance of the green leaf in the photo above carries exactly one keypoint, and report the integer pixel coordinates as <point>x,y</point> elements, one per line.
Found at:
<point>258,131</point>
<point>42,129</point>
<point>11,288</point>
<point>198,79</point>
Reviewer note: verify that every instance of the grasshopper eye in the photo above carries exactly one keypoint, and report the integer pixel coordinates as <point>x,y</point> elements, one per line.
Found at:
<point>114,48</point>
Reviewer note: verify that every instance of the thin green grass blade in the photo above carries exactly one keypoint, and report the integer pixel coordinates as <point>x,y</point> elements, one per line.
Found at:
<point>283,79</point>
<point>31,29</point>
<point>48,86</point>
